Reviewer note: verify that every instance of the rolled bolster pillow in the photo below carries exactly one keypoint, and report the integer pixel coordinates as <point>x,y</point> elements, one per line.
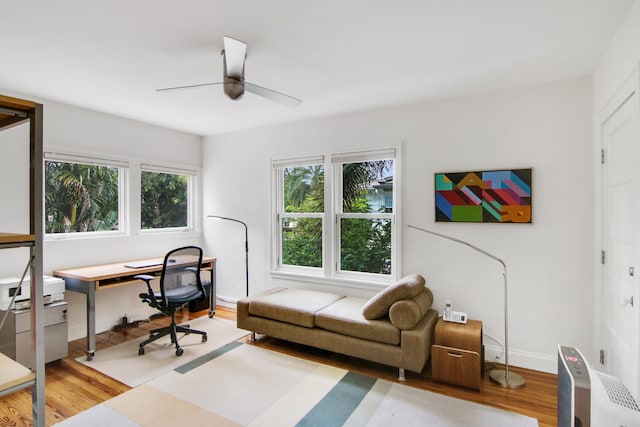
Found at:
<point>405,288</point>
<point>405,314</point>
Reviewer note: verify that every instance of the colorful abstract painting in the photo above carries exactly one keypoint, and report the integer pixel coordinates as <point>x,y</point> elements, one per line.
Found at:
<point>488,196</point>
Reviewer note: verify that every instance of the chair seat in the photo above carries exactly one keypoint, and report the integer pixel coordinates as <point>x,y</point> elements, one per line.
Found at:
<point>182,294</point>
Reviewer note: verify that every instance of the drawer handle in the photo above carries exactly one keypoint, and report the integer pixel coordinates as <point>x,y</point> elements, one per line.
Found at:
<point>454,354</point>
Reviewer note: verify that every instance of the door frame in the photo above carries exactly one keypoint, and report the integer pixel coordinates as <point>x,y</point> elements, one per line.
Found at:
<point>626,90</point>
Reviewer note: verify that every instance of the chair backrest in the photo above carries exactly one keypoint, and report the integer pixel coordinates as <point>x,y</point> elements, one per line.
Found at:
<point>181,267</point>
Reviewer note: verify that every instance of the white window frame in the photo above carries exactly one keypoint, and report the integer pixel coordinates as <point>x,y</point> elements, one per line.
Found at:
<point>192,174</point>
<point>331,271</point>
<point>338,160</point>
<point>123,185</point>
<point>278,174</point>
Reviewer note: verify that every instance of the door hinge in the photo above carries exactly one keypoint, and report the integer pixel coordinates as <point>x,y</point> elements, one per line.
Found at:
<point>603,257</point>
<point>601,356</point>
<point>602,156</point>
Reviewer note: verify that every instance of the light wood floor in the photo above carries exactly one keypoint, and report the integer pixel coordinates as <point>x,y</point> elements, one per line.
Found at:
<point>72,387</point>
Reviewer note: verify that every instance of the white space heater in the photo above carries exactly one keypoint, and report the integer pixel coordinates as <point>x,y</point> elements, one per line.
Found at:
<point>588,398</point>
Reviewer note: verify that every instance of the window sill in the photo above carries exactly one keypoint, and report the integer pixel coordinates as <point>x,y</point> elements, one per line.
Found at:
<point>122,235</point>
<point>330,281</point>
<point>54,237</point>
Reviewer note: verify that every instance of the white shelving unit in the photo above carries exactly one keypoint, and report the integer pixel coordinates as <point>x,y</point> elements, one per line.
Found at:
<point>13,376</point>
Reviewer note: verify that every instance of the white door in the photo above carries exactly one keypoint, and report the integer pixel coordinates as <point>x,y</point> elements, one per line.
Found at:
<point>621,239</point>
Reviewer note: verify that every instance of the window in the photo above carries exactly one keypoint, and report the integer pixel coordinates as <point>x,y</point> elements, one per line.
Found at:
<point>165,198</point>
<point>365,216</point>
<point>338,224</point>
<point>302,215</point>
<point>83,195</point>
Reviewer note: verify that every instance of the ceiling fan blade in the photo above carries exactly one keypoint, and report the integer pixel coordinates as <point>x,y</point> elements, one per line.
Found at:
<point>187,87</point>
<point>273,95</point>
<point>234,54</point>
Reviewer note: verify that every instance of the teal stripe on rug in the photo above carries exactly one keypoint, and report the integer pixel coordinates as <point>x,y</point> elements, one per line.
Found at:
<point>338,405</point>
<point>183,369</point>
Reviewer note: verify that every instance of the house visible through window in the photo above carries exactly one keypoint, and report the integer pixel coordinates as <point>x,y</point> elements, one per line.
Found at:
<point>165,199</point>
<point>82,196</point>
<point>339,224</point>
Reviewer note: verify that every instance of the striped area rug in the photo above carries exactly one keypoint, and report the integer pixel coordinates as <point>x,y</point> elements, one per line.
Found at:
<point>244,385</point>
<point>123,363</point>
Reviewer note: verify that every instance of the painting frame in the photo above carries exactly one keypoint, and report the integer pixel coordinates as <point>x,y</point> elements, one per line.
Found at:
<point>485,196</point>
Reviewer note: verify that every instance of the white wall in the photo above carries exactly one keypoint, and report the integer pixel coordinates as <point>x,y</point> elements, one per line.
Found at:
<point>547,127</point>
<point>76,130</point>
<point>619,60</point>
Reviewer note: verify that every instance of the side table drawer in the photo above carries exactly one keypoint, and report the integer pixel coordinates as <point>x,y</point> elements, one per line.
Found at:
<point>455,366</point>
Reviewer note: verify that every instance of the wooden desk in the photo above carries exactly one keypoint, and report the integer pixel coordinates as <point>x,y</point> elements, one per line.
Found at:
<point>88,280</point>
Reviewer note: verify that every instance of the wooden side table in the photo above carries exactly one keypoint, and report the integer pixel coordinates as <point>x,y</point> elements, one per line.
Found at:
<point>457,353</point>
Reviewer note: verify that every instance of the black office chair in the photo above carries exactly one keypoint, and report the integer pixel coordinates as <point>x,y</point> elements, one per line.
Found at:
<point>179,284</point>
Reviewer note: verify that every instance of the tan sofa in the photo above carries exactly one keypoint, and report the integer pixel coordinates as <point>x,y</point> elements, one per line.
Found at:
<point>394,328</point>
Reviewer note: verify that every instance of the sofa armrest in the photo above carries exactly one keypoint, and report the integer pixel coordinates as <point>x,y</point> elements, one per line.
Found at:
<point>416,343</point>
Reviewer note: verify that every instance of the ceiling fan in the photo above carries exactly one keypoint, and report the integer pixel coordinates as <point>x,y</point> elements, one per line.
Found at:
<point>234,85</point>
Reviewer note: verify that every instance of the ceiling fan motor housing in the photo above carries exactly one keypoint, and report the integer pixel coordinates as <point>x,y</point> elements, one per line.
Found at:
<point>233,86</point>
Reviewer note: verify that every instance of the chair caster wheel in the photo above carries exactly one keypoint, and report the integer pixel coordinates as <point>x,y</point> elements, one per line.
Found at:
<point>140,351</point>
<point>204,338</point>
<point>179,352</point>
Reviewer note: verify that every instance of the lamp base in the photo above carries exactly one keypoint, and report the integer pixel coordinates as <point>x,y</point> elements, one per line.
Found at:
<point>499,376</point>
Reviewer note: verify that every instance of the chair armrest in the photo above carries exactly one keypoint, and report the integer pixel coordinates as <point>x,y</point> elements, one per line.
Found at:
<point>147,278</point>
<point>150,297</point>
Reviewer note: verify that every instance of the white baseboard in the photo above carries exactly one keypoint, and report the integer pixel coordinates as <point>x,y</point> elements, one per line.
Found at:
<point>535,361</point>
<point>226,301</point>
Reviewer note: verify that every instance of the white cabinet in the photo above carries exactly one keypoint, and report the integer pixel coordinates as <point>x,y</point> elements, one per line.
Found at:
<point>15,336</point>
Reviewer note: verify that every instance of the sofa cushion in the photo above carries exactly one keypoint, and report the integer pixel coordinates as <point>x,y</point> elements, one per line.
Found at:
<point>405,288</point>
<point>345,317</point>
<point>296,306</point>
<point>406,313</point>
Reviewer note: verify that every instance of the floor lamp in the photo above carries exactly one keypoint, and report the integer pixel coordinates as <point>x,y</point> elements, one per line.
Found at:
<point>246,245</point>
<point>501,376</point>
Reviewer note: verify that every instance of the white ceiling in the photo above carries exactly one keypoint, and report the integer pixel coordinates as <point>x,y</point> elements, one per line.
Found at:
<point>336,55</point>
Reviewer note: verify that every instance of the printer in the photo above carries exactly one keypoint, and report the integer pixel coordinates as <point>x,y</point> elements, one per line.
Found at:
<point>53,290</point>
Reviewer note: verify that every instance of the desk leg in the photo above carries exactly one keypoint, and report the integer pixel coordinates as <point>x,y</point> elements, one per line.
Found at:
<point>212,291</point>
<point>91,320</point>
<point>89,290</point>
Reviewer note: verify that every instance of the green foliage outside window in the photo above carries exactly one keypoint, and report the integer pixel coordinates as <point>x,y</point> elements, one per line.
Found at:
<point>302,242</point>
<point>365,244</point>
<point>164,200</point>
<point>80,197</point>
<point>302,237</point>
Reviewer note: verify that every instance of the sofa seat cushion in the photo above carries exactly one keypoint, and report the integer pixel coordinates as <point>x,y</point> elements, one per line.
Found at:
<point>345,317</point>
<point>295,306</point>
